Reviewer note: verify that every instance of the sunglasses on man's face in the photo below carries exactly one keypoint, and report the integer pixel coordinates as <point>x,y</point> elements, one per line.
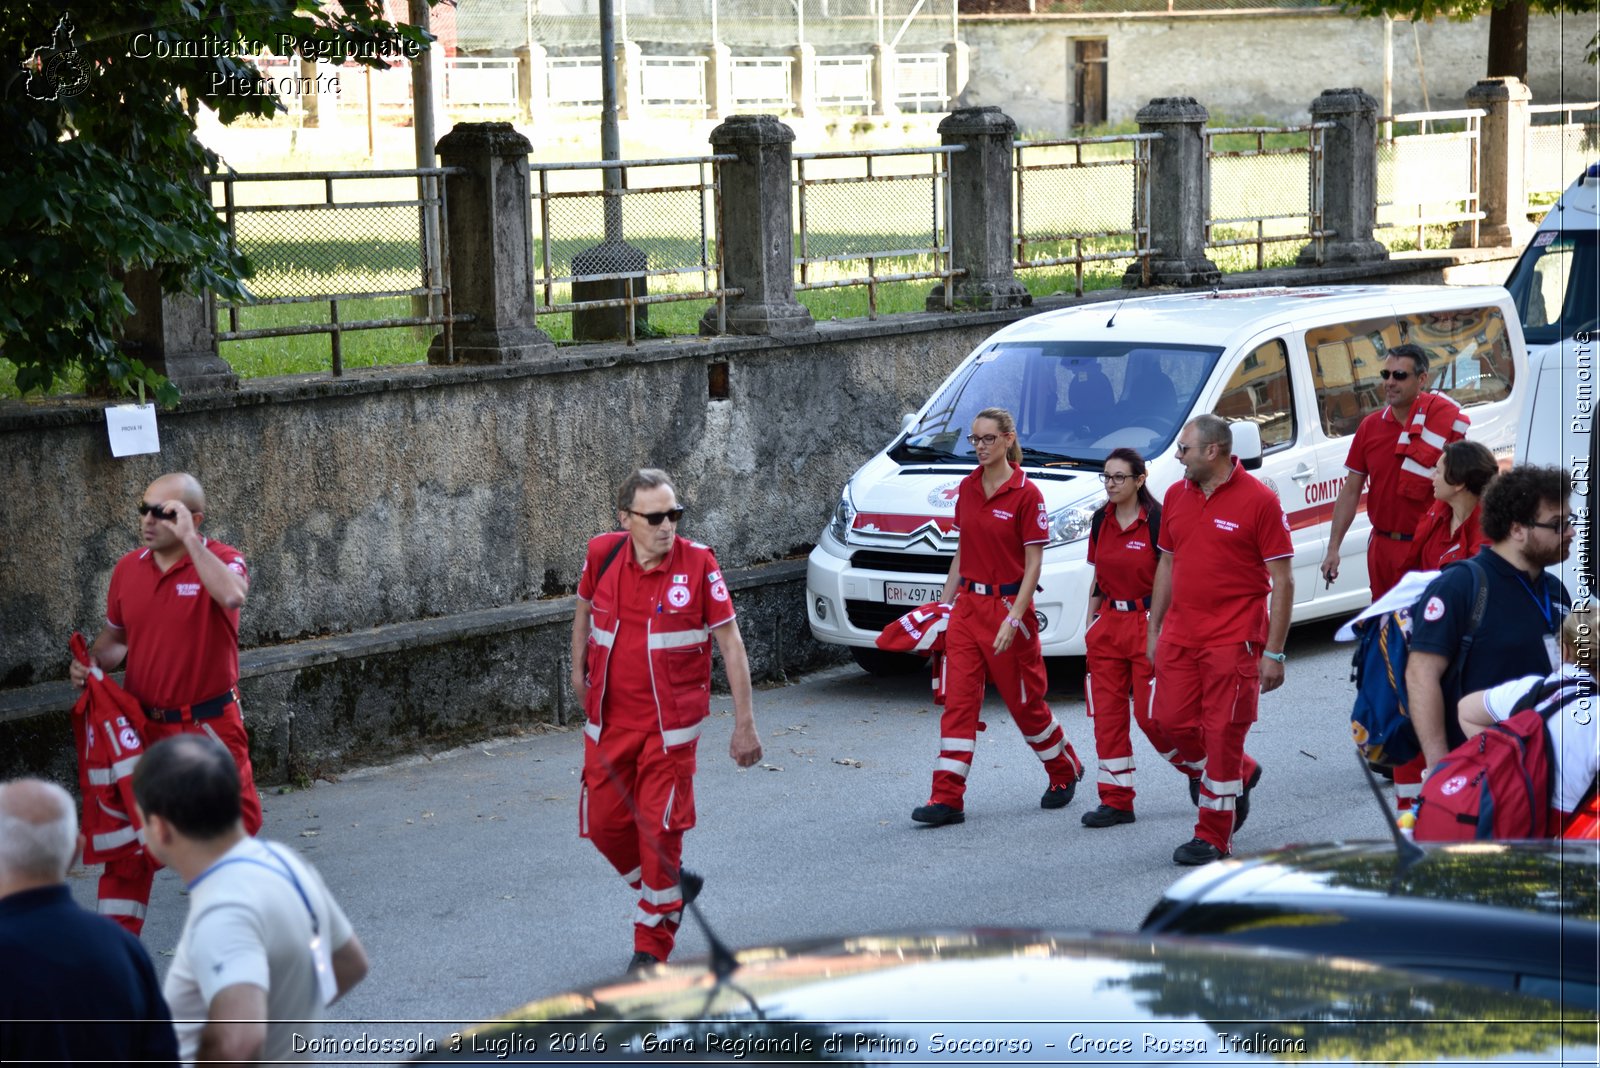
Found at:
<point>146,508</point>
<point>655,519</point>
<point>1398,376</point>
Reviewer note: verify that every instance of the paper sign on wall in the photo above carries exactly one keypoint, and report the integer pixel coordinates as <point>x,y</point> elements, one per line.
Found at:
<point>132,429</point>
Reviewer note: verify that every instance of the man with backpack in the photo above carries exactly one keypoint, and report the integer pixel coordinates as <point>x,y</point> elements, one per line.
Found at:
<point>1527,517</point>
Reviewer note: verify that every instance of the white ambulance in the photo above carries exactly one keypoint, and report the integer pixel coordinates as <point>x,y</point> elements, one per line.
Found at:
<point>1297,367</point>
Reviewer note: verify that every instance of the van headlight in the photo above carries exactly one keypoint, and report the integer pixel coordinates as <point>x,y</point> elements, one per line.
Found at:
<point>843,515</point>
<point>1070,524</point>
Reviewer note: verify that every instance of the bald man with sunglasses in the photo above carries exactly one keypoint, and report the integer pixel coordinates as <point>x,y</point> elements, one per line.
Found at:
<point>649,605</point>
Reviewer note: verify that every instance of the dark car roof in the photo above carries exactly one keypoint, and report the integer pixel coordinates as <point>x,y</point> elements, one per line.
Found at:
<point>993,996</point>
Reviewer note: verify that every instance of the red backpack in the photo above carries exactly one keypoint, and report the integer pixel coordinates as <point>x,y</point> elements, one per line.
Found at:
<point>1496,785</point>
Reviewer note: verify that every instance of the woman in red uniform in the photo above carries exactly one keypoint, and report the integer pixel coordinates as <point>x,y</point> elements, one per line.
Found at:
<point>1003,523</point>
<point>1449,531</point>
<point>1122,551</point>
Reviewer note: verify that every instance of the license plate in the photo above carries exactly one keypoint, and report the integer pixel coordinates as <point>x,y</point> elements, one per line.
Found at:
<point>907,593</point>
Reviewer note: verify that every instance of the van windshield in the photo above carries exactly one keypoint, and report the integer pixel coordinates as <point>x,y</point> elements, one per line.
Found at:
<point>1074,401</point>
<point>1555,285</point>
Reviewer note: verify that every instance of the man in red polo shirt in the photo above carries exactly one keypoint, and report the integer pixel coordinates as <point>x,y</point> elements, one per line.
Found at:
<point>172,614</point>
<point>1373,459</point>
<point>1215,641</point>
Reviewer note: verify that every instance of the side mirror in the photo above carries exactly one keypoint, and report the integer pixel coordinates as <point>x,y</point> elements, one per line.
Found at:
<point>906,421</point>
<point>1247,444</point>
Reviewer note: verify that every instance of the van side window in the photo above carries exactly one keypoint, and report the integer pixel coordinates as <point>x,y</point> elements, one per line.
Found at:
<point>1469,352</point>
<point>1345,361</point>
<point>1259,390</point>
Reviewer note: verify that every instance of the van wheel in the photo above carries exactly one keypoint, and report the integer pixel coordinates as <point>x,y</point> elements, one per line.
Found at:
<point>879,662</point>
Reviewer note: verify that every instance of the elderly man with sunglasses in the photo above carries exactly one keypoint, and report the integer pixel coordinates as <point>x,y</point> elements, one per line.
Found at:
<point>172,614</point>
<point>649,604</point>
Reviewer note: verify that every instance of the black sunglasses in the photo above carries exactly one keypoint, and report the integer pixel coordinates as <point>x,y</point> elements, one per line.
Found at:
<point>146,508</point>
<point>655,519</point>
<point>1398,376</point>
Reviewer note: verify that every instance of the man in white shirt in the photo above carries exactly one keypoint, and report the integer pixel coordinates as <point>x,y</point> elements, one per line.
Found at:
<point>265,946</point>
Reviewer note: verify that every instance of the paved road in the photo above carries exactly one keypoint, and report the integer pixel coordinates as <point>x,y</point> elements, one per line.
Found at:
<point>466,880</point>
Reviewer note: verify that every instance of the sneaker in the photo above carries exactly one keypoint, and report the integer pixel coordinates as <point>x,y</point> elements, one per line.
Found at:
<point>1197,851</point>
<point>1241,807</point>
<point>642,961</point>
<point>935,814</point>
<point>1106,816</point>
<point>1059,796</point>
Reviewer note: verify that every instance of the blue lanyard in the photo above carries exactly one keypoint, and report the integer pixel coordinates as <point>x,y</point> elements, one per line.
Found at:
<point>1543,605</point>
<point>285,872</point>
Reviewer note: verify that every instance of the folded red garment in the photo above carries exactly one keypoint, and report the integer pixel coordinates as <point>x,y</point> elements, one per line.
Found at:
<point>1436,420</point>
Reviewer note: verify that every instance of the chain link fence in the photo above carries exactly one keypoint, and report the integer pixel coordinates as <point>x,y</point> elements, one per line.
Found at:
<point>1428,176</point>
<point>1264,186</point>
<point>1563,139</point>
<point>1082,201</point>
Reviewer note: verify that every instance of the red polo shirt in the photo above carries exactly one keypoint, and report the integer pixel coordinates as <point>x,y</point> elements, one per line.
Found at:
<point>1123,560</point>
<point>1433,545</point>
<point>183,647</point>
<point>994,530</point>
<point>1372,454</point>
<point>629,702</point>
<point>1220,545</point>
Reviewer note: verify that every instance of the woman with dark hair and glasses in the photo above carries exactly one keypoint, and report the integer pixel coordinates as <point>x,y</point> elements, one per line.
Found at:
<point>1448,531</point>
<point>1122,551</point>
<point>1004,526</point>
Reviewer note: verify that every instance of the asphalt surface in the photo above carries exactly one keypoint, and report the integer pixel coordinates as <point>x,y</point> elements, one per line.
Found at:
<point>463,874</point>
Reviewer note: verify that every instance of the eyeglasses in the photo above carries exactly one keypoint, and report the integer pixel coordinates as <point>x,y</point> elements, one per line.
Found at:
<point>1182,448</point>
<point>1555,526</point>
<point>985,440</point>
<point>1114,480</point>
<point>1398,376</point>
<point>146,508</point>
<point>655,519</point>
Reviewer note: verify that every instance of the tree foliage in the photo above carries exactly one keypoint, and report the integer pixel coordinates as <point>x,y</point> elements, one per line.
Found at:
<point>1508,23</point>
<point>101,165</point>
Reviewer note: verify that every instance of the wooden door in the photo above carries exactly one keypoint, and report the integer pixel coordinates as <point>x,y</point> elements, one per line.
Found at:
<point>1089,81</point>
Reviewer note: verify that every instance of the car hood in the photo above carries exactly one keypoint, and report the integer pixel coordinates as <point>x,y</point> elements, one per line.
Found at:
<point>892,498</point>
<point>1001,995</point>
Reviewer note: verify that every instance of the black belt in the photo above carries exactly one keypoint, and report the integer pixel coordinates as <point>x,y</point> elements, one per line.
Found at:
<point>1141,604</point>
<point>1391,535</point>
<point>984,589</point>
<point>209,709</point>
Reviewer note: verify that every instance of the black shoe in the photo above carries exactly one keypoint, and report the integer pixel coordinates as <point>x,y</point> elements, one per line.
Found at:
<point>1241,807</point>
<point>1059,796</point>
<point>1197,851</point>
<point>1194,792</point>
<point>937,815</point>
<point>689,884</point>
<point>1106,816</point>
<point>642,961</point>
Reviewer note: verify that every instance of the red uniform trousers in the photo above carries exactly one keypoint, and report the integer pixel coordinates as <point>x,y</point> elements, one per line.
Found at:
<point>1019,675</point>
<point>1205,699</point>
<point>1386,561</point>
<point>124,889</point>
<point>1118,666</point>
<point>638,799</point>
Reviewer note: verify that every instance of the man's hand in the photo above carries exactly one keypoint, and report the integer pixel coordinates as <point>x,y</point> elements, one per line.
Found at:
<point>1004,636</point>
<point>79,671</point>
<point>1270,673</point>
<point>182,521</point>
<point>744,747</point>
<point>1330,566</point>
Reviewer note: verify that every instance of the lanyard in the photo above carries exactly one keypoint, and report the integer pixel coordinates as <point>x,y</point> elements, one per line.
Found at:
<point>284,871</point>
<point>1542,604</point>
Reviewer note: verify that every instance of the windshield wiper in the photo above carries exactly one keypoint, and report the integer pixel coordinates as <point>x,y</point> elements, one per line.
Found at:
<point>908,451</point>
<point>1043,458</point>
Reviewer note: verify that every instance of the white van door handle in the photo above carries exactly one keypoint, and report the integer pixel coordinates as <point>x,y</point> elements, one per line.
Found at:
<point>1302,473</point>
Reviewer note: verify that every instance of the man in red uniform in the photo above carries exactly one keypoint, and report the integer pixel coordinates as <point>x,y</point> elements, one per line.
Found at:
<point>1215,642</point>
<point>1374,458</point>
<point>172,614</point>
<point>649,603</point>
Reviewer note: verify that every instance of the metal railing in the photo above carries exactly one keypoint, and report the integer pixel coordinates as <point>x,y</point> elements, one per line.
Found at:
<point>572,81</point>
<point>762,82</point>
<point>902,213</point>
<point>1084,202</point>
<point>588,233</point>
<point>1277,191</point>
<point>673,82</point>
<point>336,252</point>
<point>471,81</point>
<point>919,81</point>
<point>844,81</point>
<point>1429,178</point>
<point>1558,151</point>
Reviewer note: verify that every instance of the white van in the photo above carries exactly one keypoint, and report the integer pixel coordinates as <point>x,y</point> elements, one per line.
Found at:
<point>1556,282</point>
<point>1300,364</point>
<point>1556,429</point>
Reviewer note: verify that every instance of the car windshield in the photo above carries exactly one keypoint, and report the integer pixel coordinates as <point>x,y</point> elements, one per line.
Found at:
<point>1555,284</point>
<point>1074,401</point>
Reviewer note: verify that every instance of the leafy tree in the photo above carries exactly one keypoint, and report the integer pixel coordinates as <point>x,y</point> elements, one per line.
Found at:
<point>101,165</point>
<point>1508,24</point>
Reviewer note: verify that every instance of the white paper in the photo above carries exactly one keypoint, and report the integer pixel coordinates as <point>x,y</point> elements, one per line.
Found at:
<point>132,429</point>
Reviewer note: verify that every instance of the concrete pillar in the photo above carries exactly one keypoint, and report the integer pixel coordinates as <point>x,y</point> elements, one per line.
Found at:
<point>630,81</point>
<point>883,87</point>
<point>981,214</point>
<point>719,81</point>
<point>957,71</point>
<point>1177,186</point>
<point>1349,179</point>
<point>490,226</point>
<point>1502,164</point>
<point>533,82</point>
<point>803,80</point>
<point>310,100</point>
<point>175,334</point>
<point>758,228</point>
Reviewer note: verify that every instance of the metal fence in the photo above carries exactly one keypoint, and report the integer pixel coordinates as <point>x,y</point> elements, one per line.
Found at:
<point>1429,177</point>
<point>919,81</point>
<point>587,235</point>
<point>1558,150</point>
<point>311,241</point>
<point>674,82</point>
<point>762,82</point>
<point>855,209</point>
<point>844,82</point>
<point>1082,200</point>
<point>1270,187</point>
